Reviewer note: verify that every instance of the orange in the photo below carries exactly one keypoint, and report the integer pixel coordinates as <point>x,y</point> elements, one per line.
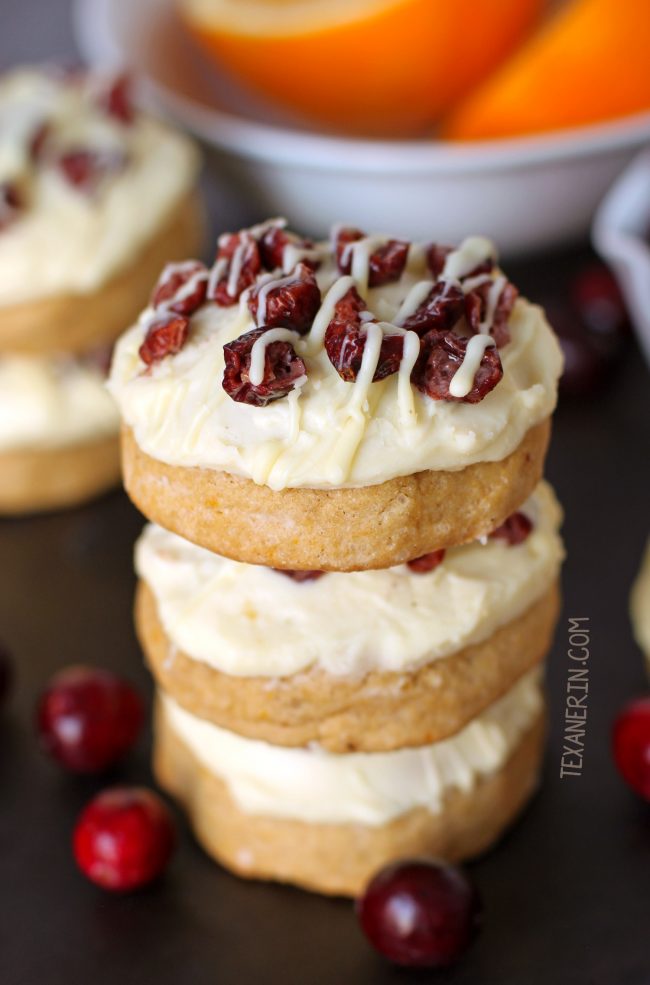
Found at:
<point>590,63</point>
<point>384,67</point>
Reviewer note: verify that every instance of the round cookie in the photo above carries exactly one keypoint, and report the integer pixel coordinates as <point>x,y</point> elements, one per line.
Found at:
<point>53,478</point>
<point>76,322</point>
<point>340,858</point>
<point>380,711</point>
<point>345,529</point>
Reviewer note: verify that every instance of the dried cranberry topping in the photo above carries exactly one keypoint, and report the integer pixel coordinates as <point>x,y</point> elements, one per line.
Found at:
<point>476,310</point>
<point>345,341</point>
<point>292,303</point>
<point>182,287</point>
<point>239,256</point>
<point>300,576</point>
<point>272,245</point>
<point>282,367</point>
<point>11,204</point>
<point>436,256</point>
<point>118,102</point>
<point>385,264</point>
<point>124,838</point>
<point>440,310</point>
<point>441,355</point>
<point>165,337</point>
<point>85,169</point>
<point>428,562</point>
<point>514,530</point>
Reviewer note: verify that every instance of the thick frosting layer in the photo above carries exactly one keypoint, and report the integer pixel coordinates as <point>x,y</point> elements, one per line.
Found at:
<point>247,620</point>
<point>328,432</point>
<point>66,239</point>
<point>53,402</point>
<point>359,788</point>
<point>640,605</point>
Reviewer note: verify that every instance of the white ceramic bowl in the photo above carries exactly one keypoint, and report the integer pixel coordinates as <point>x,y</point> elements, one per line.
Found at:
<point>621,234</point>
<point>527,194</point>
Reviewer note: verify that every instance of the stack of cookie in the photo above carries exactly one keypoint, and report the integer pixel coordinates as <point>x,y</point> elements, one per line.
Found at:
<point>94,197</point>
<point>349,584</point>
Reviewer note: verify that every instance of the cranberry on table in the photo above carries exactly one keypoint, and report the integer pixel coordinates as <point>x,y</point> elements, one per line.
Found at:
<point>88,719</point>
<point>6,672</point>
<point>124,838</point>
<point>631,745</point>
<point>420,913</point>
<point>597,298</point>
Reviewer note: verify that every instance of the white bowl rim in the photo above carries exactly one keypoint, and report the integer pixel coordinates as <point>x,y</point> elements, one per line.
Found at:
<point>323,152</point>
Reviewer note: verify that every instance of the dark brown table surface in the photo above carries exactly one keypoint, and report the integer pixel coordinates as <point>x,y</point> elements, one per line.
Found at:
<point>567,893</point>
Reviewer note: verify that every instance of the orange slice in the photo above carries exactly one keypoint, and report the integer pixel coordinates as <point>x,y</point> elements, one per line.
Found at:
<point>385,67</point>
<point>590,63</point>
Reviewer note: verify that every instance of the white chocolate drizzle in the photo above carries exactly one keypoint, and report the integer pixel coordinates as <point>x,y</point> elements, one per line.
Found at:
<point>471,253</point>
<point>258,352</point>
<point>463,379</point>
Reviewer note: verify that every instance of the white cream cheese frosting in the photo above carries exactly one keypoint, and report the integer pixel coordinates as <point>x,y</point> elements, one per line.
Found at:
<point>65,240</point>
<point>328,432</point>
<point>309,784</point>
<point>52,402</point>
<point>640,605</point>
<point>248,620</point>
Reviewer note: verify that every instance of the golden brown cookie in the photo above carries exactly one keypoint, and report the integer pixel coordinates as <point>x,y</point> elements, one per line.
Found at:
<point>339,859</point>
<point>379,712</point>
<point>335,529</point>
<point>49,479</point>
<point>74,323</point>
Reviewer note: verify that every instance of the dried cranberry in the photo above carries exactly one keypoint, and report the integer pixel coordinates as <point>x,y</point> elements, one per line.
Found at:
<point>85,169</point>
<point>124,838</point>
<point>428,562</point>
<point>272,247</point>
<point>436,256</point>
<point>282,367</point>
<point>165,337</point>
<point>172,288</point>
<point>441,355</point>
<point>300,576</point>
<point>11,204</point>
<point>514,530</point>
<point>440,310</point>
<point>118,102</point>
<point>420,913</point>
<point>88,719</point>
<point>291,305</point>
<point>476,310</point>
<point>239,256</point>
<point>385,264</point>
<point>345,341</point>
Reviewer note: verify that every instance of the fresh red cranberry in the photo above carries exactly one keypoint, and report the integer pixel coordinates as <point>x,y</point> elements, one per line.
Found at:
<point>124,838</point>
<point>420,913</point>
<point>631,745</point>
<point>292,305</point>
<point>515,530</point>
<point>239,256</point>
<point>118,100</point>
<point>88,719</point>
<point>300,576</point>
<point>11,204</point>
<point>441,356</point>
<point>443,306</point>
<point>166,336</point>
<point>85,169</point>
<point>427,562</point>
<point>282,367</point>
<point>597,298</point>
<point>182,287</point>
<point>6,673</point>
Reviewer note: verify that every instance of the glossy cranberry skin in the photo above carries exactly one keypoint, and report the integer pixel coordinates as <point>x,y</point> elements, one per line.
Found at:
<point>631,745</point>
<point>420,913</point>
<point>124,838</point>
<point>88,719</point>
<point>6,673</point>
